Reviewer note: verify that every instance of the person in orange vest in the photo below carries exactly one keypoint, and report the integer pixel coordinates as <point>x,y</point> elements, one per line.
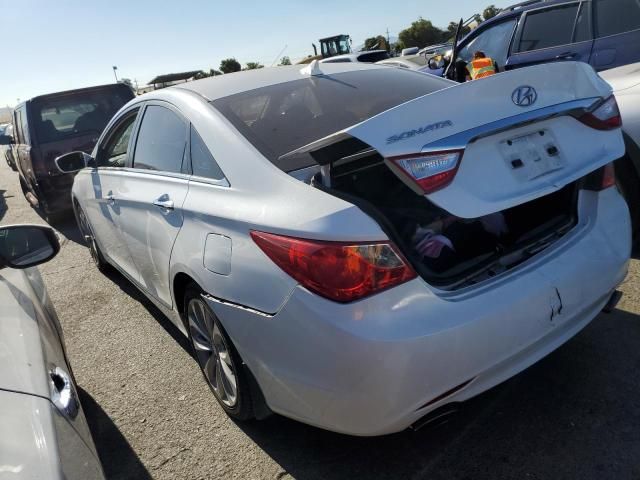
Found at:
<point>481,66</point>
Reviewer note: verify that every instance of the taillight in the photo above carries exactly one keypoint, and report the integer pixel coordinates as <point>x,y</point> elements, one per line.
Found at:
<point>342,272</point>
<point>605,116</point>
<point>601,178</point>
<point>429,171</point>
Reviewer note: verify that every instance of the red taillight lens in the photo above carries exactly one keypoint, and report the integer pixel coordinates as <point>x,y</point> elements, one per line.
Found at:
<point>608,176</point>
<point>339,271</point>
<point>429,171</point>
<point>602,178</point>
<point>605,116</point>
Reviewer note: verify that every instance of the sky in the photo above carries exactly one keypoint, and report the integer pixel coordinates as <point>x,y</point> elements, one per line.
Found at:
<point>59,45</point>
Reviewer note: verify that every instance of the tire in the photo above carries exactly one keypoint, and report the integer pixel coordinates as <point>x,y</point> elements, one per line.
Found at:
<point>89,238</point>
<point>218,359</point>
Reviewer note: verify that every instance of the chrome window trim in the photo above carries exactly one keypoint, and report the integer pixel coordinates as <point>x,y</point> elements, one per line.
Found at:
<point>223,182</point>
<point>460,140</point>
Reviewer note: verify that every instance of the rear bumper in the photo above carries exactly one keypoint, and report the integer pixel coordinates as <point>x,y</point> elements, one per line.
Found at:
<point>377,366</point>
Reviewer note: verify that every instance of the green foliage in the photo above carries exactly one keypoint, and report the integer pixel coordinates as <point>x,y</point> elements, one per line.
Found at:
<point>230,65</point>
<point>253,66</point>
<point>211,73</point>
<point>420,34</point>
<point>379,42</point>
<point>285,61</point>
<point>490,12</point>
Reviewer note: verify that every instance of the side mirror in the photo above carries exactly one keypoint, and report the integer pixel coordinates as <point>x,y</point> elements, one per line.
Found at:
<point>74,161</point>
<point>6,140</point>
<point>24,246</point>
<point>436,63</point>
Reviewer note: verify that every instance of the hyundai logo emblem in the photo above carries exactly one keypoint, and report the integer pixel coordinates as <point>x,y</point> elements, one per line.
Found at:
<point>524,96</point>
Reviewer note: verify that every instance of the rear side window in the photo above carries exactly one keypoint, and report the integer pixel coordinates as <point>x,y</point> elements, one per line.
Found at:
<point>616,16</point>
<point>84,113</point>
<point>280,118</point>
<point>161,141</point>
<point>202,162</point>
<point>548,28</point>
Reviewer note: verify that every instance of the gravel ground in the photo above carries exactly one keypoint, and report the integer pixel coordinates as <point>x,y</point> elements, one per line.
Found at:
<point>575,414</point>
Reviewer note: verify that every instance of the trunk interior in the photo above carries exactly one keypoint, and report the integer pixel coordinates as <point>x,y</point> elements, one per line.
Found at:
<point>447,251</point>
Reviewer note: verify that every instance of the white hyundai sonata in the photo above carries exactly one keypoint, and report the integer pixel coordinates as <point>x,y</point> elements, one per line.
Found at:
<point>355,246</point>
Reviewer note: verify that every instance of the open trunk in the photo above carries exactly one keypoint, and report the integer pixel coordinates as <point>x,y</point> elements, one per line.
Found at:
<point>469,189</point>
<point>450,252</point>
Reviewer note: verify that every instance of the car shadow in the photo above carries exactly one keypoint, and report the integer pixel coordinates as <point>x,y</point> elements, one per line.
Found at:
<point>308,453</point>
<point>127,287</point>
<point>116,455</point>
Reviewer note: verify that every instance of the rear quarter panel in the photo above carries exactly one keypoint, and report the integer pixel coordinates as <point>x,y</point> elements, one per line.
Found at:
<point>260,197</point>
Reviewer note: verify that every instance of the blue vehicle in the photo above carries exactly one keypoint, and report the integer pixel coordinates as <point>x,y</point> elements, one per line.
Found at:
<point>603,33</point>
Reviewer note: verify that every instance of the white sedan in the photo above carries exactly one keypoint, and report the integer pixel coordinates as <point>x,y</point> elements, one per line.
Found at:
<point>356,246</point>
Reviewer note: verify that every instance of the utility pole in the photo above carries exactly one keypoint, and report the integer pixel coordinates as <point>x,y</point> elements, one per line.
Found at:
<point>114,73</point>
<point>388,42</point>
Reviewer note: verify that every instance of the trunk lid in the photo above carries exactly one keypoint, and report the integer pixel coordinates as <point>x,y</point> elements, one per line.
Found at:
<point>512,153</point>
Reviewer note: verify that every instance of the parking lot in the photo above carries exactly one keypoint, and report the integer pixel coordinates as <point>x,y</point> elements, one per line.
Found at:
<point>575,414</point>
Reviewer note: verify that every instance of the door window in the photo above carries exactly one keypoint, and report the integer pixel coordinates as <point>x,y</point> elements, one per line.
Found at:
<point>21,126</point>
<point>616,16</point>
<point>161,141</point>
<point>202,162</point>
<point>583,23</point>
<point>548,28</point>
<point>494,42</point>
<point>114,153</point>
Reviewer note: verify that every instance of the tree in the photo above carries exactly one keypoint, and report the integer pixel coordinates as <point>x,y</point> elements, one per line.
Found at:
<point>230,65</point>
<point>253,66</point>
<point>450,33</point>
<point>127,82</point>
<point>421,33</point>
<point>376,43</point>
<point>490,12</point>
<point>285,61</point>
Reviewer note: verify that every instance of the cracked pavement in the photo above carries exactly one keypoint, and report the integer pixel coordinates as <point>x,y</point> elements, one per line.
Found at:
<point>575,414</point>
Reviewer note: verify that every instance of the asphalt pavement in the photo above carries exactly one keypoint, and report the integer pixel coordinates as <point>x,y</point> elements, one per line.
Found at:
<point>575,414</point>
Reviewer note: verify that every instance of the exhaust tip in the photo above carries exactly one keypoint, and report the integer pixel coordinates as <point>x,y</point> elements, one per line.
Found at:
<point>612,302</point>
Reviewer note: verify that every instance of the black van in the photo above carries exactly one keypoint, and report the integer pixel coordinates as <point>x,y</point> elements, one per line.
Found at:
<point>47,126</point>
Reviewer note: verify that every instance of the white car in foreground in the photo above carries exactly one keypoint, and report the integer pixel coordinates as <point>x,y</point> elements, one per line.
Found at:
<point>356,246</point>
<point>43,430</point>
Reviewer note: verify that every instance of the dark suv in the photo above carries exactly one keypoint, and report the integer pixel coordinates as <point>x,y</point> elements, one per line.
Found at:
<point>603,33</point>
<point>47,126</point>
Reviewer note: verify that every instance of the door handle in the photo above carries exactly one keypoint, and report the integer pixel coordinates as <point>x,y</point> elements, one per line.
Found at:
<point>566,56</point>
<point>164,202</point>
<point>110,198</point>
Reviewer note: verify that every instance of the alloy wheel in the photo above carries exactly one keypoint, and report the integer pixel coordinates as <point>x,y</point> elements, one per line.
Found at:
<point>212,352</point>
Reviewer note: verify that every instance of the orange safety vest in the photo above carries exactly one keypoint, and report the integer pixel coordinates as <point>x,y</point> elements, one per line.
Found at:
<point>481,67</point>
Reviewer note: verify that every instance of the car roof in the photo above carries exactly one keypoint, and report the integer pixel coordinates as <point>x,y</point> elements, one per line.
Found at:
<point>108,86</point>
<point>212,88</point>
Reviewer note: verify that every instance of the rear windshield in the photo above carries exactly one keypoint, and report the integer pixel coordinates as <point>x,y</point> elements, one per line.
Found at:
<point>281,118</point>
<point>60,117</point>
